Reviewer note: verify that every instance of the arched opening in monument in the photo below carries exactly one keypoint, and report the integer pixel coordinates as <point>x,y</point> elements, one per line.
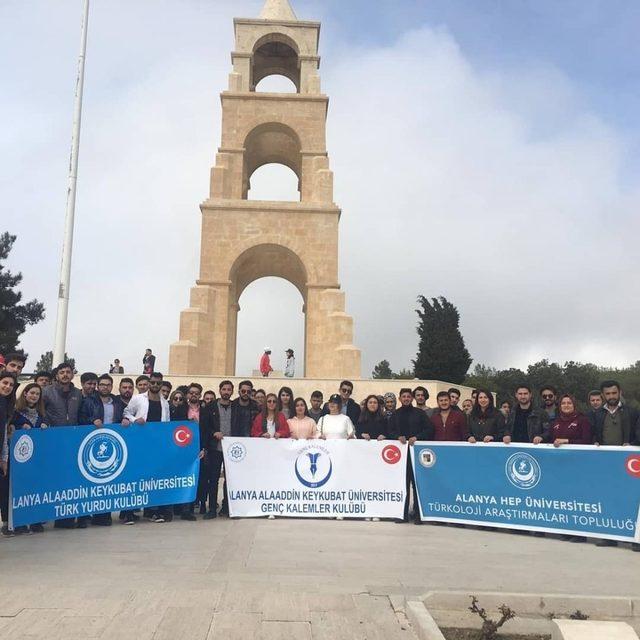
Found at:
<point>275,54</point>
<point>271,143</point>
<point>274,182</point>
<point>271,315</point>
<point>276,84</point>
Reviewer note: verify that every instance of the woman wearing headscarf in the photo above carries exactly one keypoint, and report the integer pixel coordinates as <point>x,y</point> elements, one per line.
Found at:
<point>390,404</point>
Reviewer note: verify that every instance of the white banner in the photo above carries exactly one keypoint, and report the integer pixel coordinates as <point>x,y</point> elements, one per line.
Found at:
<point>315,478</point>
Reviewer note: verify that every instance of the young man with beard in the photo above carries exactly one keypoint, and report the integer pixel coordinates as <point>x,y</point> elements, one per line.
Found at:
<point>215,424</point>
<point>449,425</point>
<point>14,363</point>
<point>88,383</point>
<point>165,389</point>
<point>421,395</point>
<point>409,424</point>
<point>150,406</point>
<point>525,423</point>
<point>42,379</point>
<point>615,424</point>
<point>549,395</point>
<point>62,406</point>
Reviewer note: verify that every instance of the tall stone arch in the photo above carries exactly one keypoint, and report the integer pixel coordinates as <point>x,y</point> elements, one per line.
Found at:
<point>245,240</point>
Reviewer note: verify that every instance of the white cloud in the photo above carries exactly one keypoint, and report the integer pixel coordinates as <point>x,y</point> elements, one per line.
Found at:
<point>499,190</point>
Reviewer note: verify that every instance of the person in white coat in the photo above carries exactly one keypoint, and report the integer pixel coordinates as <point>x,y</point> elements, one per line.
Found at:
<point>335,425</point>
<point>150,406</point>
<point>290,366</point>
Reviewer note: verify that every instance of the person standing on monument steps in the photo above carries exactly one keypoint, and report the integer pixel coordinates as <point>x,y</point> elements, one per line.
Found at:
<point>148,362</point>
<point>290,366</point>
<point>265,363</point>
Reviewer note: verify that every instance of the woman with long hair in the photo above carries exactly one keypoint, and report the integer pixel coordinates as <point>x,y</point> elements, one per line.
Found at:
<point>8,386</point>
<point>29,414</point>
<point>486,423</point>
<point>371,424</point>
<point>285,402</point>
<point>270,423</point>
<point>178,405</point>
<point>302,426</point>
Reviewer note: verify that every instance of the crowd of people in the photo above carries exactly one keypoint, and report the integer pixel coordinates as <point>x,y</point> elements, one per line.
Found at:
<point>52,400</point>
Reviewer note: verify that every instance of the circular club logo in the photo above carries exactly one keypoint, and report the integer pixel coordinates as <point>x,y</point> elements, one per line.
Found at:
<point>313,467</point>
<point>633,466</point>
<point>523,471</point>
<point>183,436</point>
<point>23,449</point>
<point>102,456</point>
<point>237,452</point>
<point>391,454</point>
<point>427,458</point>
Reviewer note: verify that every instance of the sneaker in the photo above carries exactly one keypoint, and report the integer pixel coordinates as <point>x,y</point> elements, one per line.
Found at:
<point>157,518</point>
<point>375,519</point>
<point>577,539</point>
<point>271,517</point>
<point>83,523</point>
<point>67,523</point>
<point>6,532</point>
<point>37,528</point>
<point>21,530</point>
<point>339,518</point>
<point>210,515</point>
<point>188,516</point>
<point>635,547</point>
<point>203,508</point>
<point>129,519</point>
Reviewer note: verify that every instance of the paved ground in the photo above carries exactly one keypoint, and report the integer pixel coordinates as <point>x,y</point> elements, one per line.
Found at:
<point>275,578</point>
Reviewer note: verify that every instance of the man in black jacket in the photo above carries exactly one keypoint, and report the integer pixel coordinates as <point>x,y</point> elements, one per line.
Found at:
<point>350,407</point>
<point>615,424</point>
<point>526,423</point>
<point>408,425</point>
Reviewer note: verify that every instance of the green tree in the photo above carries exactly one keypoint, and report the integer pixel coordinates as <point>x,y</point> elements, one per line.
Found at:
<point>46,362</point>
<point>14,317</point>
<point>442,354</point>
<point>404,374</point>
<point>382,371</point>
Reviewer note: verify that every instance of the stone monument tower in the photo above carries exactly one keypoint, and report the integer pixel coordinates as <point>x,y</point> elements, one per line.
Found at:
<point>244,240</point>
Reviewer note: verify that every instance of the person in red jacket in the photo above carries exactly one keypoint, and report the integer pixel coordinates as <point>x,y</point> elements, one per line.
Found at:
<point>449,425</point>
<point>265,363</point>
<point>270,423</point>
<point>570,426</point>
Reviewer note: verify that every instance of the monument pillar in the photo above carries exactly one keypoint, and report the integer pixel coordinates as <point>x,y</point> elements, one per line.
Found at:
<point>244,240</point>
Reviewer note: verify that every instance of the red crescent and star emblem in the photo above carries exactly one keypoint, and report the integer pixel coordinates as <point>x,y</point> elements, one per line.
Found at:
<point>391,454</point>
<point>633,466</point>
<point>182,436</point>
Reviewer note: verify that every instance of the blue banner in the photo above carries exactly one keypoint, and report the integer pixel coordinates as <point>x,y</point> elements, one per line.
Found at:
<point>66,472</point>
<point>574,490</point>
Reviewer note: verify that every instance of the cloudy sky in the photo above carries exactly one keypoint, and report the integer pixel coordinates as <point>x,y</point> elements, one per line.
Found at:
<point>483,150</point>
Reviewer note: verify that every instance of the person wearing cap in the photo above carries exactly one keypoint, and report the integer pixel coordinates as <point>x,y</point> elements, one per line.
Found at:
<point>265,363</point>
<point>290,366</point>
<point>335,425</point>
<point>348,406</point>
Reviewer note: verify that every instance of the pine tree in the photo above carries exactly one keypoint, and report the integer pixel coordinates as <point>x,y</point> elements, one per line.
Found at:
<point>382,371</point>
<point>442,354</point>
<point>14,317</point>
<point>46,362</point>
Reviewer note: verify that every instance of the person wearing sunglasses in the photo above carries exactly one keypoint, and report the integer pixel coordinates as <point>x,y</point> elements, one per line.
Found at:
<point>349,406</point>
<point>270,423</point>
<point>177,405</point>
<point>549,396</point>
<point>150,406</point>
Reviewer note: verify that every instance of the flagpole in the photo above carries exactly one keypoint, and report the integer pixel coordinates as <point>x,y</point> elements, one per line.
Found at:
<point>67,243</point>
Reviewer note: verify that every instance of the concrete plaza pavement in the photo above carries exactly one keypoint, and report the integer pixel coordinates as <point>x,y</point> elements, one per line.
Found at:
<point>276,578</point>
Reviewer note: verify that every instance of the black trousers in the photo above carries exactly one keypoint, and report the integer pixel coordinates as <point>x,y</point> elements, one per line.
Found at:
<point>214,463</point>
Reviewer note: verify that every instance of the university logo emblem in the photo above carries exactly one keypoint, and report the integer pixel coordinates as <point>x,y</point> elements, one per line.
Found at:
<point>23,449</point>
<point>427,458</point>
<point>102,456</point>
<point>237,452</point>
<point>523,471</point>
<point>314,467</point>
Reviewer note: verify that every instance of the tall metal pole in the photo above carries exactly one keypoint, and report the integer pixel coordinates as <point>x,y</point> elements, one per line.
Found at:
<point>67,243</point>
